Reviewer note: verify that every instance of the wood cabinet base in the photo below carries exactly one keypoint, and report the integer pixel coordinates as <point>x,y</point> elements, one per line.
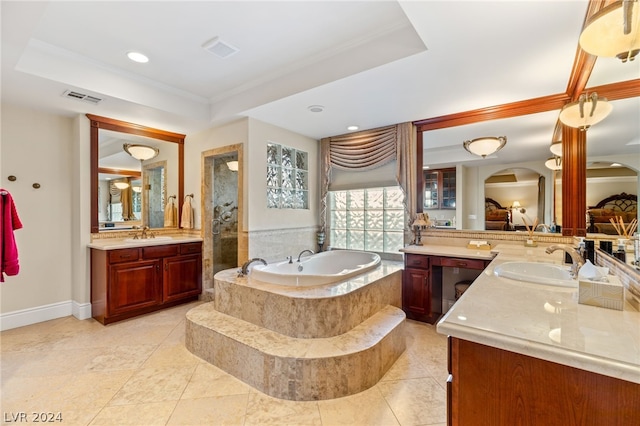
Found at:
<point>490,386</point>
<point>130,282</point>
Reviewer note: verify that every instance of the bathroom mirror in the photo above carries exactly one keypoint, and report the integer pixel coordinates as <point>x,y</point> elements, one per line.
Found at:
<point>152,183</point>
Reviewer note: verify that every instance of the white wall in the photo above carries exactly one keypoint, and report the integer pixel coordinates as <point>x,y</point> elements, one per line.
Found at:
<point>260,217</point>
<point>37,147</point>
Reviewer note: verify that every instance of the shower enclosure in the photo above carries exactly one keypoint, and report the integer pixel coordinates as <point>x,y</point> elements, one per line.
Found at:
<point>221,210</point>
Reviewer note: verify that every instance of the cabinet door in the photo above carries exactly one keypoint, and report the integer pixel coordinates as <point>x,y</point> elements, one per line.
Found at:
<point>416,291</point>
<point>182,277</point>
<point>133,286</point>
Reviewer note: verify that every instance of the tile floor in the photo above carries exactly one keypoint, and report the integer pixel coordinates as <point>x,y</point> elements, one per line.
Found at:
<point>138,372</point>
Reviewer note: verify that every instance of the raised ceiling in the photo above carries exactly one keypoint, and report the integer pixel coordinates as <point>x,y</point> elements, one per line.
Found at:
<point>369,63</point>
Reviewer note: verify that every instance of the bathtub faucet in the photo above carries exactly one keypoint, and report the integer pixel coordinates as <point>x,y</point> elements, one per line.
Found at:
<point>303,252</point>
<point>245,267</point>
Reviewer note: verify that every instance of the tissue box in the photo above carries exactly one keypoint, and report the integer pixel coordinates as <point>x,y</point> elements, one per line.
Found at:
<point>608,295</point>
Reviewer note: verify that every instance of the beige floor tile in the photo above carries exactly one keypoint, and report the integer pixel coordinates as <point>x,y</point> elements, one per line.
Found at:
<point>265,410</point>
<point>407,366</point>
<point>55,362</point>
<point>415,401</point>
<point>121,358</point>
<point>153,384</point>
<point>366,408</point>
<point>208,381</point>
<point>172,355</point>
<point>216,410</point>
<point>155,413</point>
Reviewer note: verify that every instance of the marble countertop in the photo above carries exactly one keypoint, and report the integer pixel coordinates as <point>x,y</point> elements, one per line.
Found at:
<point>120,243</point>
<point>450,251</point>
<point>544,321</point>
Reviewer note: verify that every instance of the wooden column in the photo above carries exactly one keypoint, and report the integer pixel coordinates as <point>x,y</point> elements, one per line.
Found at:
<point>574,182</point>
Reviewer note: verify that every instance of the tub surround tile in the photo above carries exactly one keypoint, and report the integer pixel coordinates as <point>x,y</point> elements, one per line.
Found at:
<point>308,312</point>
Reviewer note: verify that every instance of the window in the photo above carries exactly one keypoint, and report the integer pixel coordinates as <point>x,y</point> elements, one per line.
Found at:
<point>287,177</point>
<point>367,219</point>
<point>440,189</point>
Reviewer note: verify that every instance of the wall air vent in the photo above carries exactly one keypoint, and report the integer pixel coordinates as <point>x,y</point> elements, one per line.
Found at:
<point>81,97</point>
<point>219,48</point>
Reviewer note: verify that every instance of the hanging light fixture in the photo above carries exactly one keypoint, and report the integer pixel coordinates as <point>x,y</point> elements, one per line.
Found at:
<point>485,146</point>
<point>613,31</point>
<point>141,152</point>
<point>233,165</point>
<point>556,148</point>
<point>586,111</point>
<point>554,163</point>
<point>121,185</point>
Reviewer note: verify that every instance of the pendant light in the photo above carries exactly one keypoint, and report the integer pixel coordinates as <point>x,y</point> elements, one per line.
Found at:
<point>554,163</point>
<point>556,148</point>
<point>141,152</point>
<point>614,31</point>
<point>586,111</point>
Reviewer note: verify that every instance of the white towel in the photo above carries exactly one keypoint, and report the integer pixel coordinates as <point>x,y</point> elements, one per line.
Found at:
<point>187,214</point>
<point>170,214</point>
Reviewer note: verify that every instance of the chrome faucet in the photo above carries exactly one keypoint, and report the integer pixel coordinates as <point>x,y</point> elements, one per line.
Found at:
<point>576,259</point>
<point>245,267</point>
<point>303,252</point>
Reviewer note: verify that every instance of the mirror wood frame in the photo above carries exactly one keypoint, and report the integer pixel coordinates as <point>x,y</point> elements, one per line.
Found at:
<point>574,142</point>
<point>105,123</point>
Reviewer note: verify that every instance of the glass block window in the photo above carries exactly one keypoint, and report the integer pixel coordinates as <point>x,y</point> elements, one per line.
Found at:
<point>287,177</point>
<point>367,219</point>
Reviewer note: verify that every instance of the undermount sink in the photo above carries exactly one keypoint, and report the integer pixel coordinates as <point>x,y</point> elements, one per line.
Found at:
<point>146,240</point>
<point>536,272</point>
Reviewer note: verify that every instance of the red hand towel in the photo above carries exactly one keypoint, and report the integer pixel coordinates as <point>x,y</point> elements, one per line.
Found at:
<point>10,222</point>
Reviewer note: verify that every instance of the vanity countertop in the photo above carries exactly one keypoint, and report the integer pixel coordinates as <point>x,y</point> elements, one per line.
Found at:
<point>119,243</point>
<point>545,321</point>
<point>449,251</point>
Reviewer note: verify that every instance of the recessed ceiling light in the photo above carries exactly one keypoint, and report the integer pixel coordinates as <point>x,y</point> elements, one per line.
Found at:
<point>425,167</point>
<point>137,57</point>
<point>616,165</point>
<point>315,108</point>
<point>352,128</point>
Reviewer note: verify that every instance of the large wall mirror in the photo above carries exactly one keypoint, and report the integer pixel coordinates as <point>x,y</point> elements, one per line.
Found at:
<point>137,176</point>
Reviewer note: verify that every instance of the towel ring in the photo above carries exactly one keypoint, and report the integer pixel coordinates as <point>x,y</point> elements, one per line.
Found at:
<point>172,196</point>
<point>188,195</point>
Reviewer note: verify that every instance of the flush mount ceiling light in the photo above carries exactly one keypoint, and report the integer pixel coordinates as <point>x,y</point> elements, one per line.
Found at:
<point>232,165</point>
<point>554,163</point>
<point>138,57</point>
<point>556,148</point>
<point>586,111</point>
<point>136,188</point>
<point>121,185</point>
<point>613,31</point>
<point>141,152</point>
<point>315,108</point>
<point>485,146</point>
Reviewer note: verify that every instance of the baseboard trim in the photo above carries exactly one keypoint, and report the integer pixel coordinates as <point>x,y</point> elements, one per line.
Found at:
<point>38,314</point>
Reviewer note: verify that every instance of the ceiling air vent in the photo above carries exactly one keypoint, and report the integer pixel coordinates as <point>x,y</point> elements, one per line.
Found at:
<point>219,48</point>
<point>81,96</point>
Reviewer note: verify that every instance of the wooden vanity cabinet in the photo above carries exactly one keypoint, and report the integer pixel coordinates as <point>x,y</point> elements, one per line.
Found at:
<point>420,300</point>
<point>491,386</point>
<point>422,283</point>
<point>133,281</point>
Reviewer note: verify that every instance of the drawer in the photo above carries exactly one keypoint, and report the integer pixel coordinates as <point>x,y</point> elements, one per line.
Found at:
<point>190,248</point>
<point>416,261</point>
<point>153,252</point>
<point>123,255</point>
<point>462,263</point>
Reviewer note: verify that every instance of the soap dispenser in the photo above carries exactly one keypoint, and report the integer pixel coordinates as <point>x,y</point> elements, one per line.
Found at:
<point>620,253</point>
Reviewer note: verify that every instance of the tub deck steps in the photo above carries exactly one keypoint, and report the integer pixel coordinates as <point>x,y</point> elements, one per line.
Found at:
<point>298,368</point>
